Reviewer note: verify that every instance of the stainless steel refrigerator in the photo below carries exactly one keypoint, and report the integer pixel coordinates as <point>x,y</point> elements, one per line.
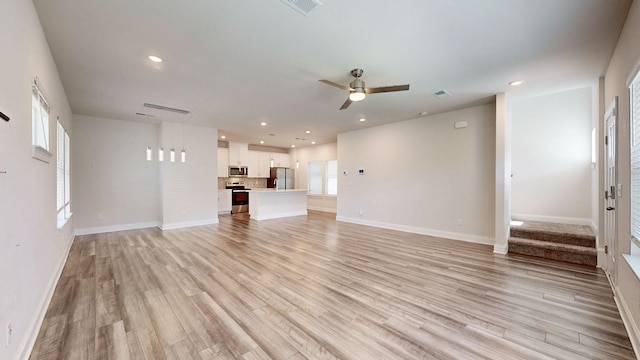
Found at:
<point>281,178</point>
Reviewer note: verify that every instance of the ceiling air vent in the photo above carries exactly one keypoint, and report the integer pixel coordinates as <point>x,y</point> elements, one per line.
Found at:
<point>304,7</point>
<point>166,108</point>
<point>441,94</point>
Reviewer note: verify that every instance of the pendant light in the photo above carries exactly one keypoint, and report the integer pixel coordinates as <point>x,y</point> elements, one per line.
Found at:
<point>183,153</point>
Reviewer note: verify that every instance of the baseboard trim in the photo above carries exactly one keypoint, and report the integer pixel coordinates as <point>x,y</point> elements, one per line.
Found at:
<point>501,249</point>
<point>594,227</point>
<point>627,320</point>
<point>185,224</point>
<point>112,228</point>
<point>602,257</point>
<point>419,230</point>
<point>323,209</point>
<point>30,341</point>
<point>552,219</point>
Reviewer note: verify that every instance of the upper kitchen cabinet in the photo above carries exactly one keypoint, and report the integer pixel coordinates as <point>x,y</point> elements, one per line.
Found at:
<point>238,154</point>
<point>281,160</point>
<point>223,162</point>
<point>259,164</point>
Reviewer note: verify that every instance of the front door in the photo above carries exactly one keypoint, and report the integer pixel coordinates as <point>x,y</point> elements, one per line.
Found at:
<point>610,190</point>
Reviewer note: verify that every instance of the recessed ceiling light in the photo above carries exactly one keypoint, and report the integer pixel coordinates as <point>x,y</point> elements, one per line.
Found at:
<point>263,123</point>
<point>293,146</point>
<point>155,59</point>
<point>363,120</point>
<point>261,141</point>
<point>307,131</point>
<point>313,143</point>
<point>223,137</point>
<point>423,113</point>
<point>516,83</point>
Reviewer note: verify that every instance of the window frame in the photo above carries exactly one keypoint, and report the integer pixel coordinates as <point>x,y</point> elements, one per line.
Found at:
<point>40,122</point>
<point>313,178</point>
<point>328,176</point>
<point>322,173</point>
<point>63,174</point>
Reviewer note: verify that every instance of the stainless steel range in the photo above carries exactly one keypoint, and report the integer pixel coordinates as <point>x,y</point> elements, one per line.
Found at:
<point>239,196</point>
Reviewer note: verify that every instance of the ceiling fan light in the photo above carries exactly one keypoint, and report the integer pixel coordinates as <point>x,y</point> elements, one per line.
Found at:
<point>357,95</point>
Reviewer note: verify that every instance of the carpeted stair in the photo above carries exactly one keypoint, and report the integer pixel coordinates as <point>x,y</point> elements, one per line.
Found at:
<point>571,243</point>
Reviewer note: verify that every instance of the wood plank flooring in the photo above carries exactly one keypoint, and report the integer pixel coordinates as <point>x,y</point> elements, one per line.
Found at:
<point>313,288</point>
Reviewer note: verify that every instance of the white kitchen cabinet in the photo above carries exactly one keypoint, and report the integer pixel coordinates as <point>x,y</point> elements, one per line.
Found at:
<point>224,201</point>
<point>223,162</point>
<point>238,154</point>
<point>254,163</point>
<point>280,160</point>
<point>259,164</point>
<point>265,164</point>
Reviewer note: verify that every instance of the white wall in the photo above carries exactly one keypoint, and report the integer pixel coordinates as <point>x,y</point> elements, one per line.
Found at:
<point>32,250</point>
<point>115,188</point>
<point>551,157</point>
<point>189,190</point>
<point>422,175</point>
<point>625,59</point>
<point>304,156</point>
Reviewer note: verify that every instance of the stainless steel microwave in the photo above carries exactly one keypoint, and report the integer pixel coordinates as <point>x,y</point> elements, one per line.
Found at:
<point>238,171</point>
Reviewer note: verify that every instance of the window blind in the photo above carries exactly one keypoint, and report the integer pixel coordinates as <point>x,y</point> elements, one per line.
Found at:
<point>63,173</point>
<point>60,168</point>
<point>634,92</point>
<point>39,119</point>
<point>67,176</point>
<point>332,177</point>
<point>315,177</point>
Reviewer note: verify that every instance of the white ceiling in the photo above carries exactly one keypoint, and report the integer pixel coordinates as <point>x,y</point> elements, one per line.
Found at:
<point>235,63</point>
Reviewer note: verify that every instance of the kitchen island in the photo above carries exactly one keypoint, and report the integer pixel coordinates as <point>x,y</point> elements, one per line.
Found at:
<point>271,204</point>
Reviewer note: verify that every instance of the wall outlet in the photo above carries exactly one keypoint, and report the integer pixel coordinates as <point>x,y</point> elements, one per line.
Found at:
<point>361,212</point>
<point>9,332</point>
<point>100,217</point>
<point>459,222</point>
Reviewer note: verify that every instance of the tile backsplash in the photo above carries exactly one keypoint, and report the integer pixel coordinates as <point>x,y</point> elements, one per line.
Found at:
<point>252,183</point>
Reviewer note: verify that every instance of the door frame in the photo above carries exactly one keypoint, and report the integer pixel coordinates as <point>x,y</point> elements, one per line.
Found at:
<point>610,190</point>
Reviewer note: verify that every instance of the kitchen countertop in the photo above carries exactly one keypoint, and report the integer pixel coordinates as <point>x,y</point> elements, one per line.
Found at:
<point>273,190</point>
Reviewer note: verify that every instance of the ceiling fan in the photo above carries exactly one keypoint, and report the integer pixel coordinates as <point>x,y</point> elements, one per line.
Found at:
<point>357,91</point>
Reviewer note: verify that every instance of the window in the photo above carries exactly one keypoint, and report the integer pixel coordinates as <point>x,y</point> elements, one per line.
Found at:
<point>315,178</point>
<point>332,177</point>
<point>39,124</point>
<point>323,178</point>
<point>63,193</point>
<point>634,97</point>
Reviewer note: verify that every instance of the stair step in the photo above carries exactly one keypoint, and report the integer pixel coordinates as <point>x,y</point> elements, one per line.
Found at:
<point>555,251</point>
<point>556,233</point>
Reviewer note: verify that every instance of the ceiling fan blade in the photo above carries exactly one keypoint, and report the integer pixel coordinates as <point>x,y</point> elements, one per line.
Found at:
<point>346,104</point>
<point>386,89</point>
<point>336,85</point>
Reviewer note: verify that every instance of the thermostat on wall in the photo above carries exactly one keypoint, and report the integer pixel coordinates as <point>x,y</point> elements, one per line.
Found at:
<point>361,171</point>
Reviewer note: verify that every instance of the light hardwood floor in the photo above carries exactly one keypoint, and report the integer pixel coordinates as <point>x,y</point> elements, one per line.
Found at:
<point>311,287</point>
